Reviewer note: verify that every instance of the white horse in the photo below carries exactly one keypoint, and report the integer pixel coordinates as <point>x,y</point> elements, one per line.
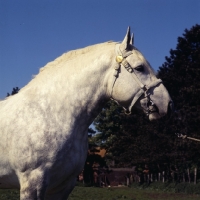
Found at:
<point>43,128</point>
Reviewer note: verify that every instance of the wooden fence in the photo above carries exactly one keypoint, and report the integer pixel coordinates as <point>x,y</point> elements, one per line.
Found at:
<point>126,176</point>
<point>175,176</point>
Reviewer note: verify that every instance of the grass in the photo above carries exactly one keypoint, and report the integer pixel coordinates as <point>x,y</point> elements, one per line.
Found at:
<point>95,193</point>
<point>88,193</point>
<point>9,194</point>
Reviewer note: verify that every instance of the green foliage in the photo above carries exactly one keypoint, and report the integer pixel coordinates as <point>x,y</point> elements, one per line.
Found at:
<point>180,74</point>
<point>108,122</point>
<point>192,189</point>
<point>181,187</point>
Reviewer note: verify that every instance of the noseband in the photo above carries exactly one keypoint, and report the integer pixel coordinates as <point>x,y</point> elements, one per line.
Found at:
<point>144,89</point>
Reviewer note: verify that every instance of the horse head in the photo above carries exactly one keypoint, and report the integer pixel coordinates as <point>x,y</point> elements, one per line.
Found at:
<point>135,83</point>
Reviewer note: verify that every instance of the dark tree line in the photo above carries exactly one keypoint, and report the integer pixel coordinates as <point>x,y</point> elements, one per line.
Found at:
<point>133,139</point>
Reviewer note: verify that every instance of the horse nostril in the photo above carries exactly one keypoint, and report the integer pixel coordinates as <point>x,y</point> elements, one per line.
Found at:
<point>170,108</point>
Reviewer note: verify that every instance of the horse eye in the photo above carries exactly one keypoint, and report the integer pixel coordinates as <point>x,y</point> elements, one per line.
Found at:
<point>140,68</point>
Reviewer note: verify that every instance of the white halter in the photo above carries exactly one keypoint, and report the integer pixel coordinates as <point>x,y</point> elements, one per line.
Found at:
<point>121,59</point>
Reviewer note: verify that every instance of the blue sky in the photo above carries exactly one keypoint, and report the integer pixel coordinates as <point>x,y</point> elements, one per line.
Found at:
<point>35,32</point>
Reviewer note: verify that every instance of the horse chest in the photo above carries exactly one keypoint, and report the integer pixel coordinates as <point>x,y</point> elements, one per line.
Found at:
<point>70,162</point>
<point>75,154</point>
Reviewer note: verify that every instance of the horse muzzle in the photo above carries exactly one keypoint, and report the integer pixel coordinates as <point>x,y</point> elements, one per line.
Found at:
<point>155,111</point>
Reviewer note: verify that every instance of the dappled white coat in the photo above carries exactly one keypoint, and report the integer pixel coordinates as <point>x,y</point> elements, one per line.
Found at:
<point>43,128</point>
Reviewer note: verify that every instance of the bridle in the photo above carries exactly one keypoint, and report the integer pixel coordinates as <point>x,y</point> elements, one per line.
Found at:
<point>144,89</point>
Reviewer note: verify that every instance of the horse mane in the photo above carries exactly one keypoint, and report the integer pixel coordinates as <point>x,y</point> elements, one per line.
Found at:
<point>74,53</point>
<point>70,55</point>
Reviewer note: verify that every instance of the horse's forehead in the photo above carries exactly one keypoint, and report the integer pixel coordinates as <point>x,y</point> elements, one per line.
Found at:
<point>138,55</point>
<point>137,58</point>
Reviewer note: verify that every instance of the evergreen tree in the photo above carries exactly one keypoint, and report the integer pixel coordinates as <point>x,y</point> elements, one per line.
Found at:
<point>108,122</point>
<point>180,73</point>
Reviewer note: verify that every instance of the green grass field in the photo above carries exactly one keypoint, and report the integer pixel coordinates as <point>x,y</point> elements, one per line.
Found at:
<point>94,193</point>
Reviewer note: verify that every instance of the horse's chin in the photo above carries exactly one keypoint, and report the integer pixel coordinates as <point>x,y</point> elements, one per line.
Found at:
<point>154,116</point>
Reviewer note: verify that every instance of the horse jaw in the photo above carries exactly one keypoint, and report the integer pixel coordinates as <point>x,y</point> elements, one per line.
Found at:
<point>154,116</point>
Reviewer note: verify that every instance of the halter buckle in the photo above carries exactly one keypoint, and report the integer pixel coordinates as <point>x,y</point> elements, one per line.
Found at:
<point>119,59</point>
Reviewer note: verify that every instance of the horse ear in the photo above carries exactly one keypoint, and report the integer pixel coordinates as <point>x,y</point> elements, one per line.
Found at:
<point>132,39</point>
<point>126,42</point>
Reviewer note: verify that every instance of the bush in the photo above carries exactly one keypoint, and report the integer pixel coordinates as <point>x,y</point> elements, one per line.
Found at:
<point>193,189</point>
<point>181,187</point>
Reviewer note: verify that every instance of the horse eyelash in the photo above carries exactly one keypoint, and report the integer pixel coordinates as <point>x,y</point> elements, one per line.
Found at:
<point>140,68</point>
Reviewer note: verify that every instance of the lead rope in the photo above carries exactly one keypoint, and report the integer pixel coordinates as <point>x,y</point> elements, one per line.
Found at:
<point>186,137</point>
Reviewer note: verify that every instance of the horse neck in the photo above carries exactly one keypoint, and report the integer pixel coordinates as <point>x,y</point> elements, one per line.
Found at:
<point>77,90</point>
<point>88,95</point>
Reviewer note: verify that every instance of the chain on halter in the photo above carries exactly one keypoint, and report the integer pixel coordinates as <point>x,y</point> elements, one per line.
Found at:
<point>121,60</point>
<point>179,135</point>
